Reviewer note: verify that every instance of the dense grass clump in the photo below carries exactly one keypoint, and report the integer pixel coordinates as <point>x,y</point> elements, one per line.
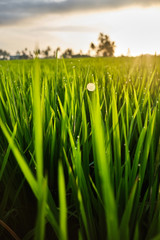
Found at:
<point>79,164</point>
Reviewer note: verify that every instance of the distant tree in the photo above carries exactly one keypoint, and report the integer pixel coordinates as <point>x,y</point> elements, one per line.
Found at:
<point>46,51</point>
<point>18,53</point>
<point>68,53</point>
<point>25,54</point>
<point>1,52</point>
<point>105,47</point>
<point>37,52</point>
<point>58,49</point>
<point>30,54</point>
<point>55,53</point>
<point>92,47</point>
<point>4,54</point>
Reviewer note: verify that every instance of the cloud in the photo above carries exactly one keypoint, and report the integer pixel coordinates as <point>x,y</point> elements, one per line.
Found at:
<point>13,11</point>
<point>66,28</point>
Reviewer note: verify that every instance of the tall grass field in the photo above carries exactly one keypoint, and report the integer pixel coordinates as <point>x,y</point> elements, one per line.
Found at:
<point>80,163</point>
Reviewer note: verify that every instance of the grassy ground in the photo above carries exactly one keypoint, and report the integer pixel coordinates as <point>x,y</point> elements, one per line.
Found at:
<point>76,164</point>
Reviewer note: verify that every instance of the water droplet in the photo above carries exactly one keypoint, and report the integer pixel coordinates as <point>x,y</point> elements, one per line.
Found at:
<point>91,87</point>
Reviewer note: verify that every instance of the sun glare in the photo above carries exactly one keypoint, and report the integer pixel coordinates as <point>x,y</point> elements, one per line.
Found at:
<point>135,29</point>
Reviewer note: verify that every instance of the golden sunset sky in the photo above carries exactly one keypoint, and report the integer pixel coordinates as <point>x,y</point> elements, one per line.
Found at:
<point>77,23</point>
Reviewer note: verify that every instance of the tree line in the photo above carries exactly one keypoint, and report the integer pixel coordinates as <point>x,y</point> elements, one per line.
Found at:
<point>105,48</point>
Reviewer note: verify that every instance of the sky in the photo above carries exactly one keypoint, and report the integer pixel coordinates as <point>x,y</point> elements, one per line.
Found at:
<point>132,24</point>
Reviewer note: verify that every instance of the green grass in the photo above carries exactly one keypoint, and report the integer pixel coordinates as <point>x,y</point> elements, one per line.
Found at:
<point>76,164</point>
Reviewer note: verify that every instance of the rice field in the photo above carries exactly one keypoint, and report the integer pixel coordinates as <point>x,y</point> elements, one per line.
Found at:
<point>79,162</point>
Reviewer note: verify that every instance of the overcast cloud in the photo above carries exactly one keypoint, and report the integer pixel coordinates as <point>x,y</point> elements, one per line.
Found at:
<point>12,11</point>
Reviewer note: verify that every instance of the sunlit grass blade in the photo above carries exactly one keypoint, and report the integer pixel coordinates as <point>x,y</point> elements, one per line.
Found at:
<point>127,164</point>
<point>147,145</point>
<point>138,152</point>
<point>62,203</point>
<point>20,160</point>
<point>85,140</point>
<point>82,184</point>
<point>104,171</point>
<point>4,163</point>
<point>124,226</point>
<point>139,119</point>
<point>41,216</point>
<point>84,217</point>
<point>38,123</point>
<point>116,139</point>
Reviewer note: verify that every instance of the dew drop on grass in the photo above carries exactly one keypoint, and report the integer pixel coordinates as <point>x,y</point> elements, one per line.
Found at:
<point>91,87</point>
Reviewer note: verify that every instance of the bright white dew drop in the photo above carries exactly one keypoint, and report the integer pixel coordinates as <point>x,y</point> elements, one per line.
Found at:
<point>91,87</point>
